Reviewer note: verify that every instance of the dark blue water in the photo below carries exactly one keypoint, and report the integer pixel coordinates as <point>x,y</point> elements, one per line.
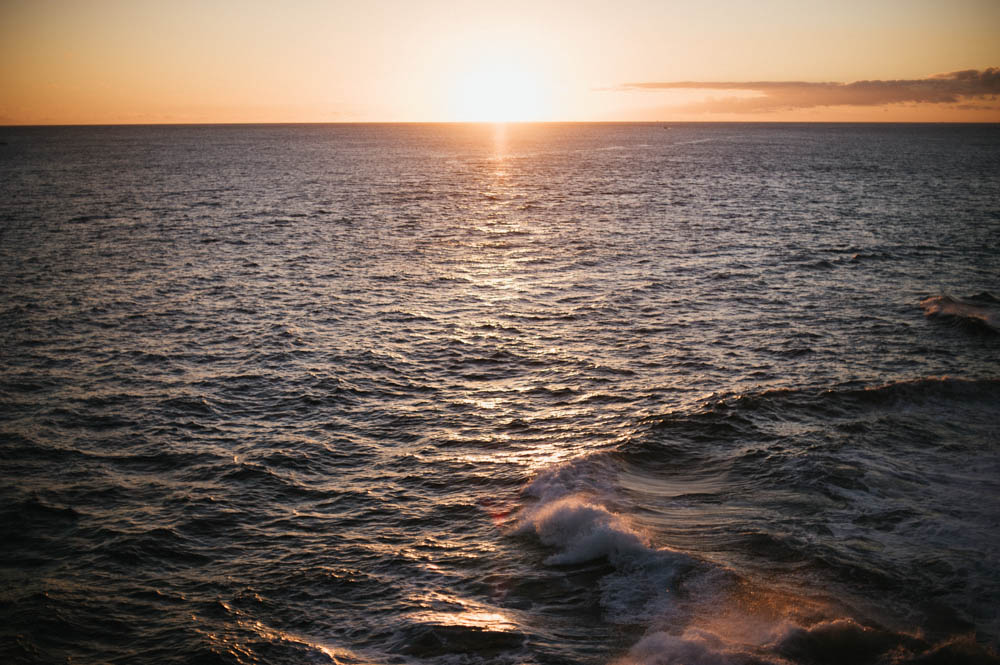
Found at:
<point>540,394</point>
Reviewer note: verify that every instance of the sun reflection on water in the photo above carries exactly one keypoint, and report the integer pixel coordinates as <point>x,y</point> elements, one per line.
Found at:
<point>449,610</point>
<point>500,142</point>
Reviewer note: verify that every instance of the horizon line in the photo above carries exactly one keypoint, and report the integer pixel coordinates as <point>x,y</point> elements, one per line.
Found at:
<point>503,122</point>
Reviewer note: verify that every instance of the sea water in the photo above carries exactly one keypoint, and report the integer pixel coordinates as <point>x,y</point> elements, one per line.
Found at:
<point>527,394</point>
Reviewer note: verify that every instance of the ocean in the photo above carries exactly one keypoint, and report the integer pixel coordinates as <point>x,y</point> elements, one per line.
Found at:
<point>624,394</point>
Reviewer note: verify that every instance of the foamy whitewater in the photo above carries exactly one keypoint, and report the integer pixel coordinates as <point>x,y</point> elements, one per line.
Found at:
<point>526,394</point>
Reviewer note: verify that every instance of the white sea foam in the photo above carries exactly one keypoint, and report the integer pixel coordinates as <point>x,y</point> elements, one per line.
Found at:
<point>582,531</point>
<point>642,586</point>
<point>572,515</point>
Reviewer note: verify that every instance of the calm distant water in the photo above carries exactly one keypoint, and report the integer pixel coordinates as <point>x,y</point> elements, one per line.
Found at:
<point>555,394</point>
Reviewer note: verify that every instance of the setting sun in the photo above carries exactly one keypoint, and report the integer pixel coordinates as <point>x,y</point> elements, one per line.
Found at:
<point>498,90</point>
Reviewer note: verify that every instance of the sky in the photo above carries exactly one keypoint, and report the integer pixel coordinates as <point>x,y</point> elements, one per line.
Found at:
<point>222,61</point>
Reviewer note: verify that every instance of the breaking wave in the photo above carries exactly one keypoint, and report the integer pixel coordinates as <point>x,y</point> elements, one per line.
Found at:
<point>980,313</point>
<point>792,526</point>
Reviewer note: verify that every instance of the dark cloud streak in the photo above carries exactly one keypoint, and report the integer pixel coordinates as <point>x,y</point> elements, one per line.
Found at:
<point>950,88</point>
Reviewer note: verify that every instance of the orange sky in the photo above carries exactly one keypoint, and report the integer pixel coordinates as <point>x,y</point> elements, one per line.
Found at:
<point>145,61</point>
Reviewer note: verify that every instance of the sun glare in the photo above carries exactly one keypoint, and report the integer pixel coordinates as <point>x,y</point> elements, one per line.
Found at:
<point>499,90</point>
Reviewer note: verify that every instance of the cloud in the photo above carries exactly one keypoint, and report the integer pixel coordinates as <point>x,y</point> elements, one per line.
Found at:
<point>950,88</point>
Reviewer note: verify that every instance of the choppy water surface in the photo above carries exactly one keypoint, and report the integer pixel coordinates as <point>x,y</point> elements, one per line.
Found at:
<point>472,394</point>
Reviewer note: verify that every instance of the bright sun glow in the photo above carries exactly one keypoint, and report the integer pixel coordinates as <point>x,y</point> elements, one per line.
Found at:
<point>498,90</point>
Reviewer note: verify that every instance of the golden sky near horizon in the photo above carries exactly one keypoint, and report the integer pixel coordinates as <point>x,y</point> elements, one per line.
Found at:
<point>145,61</point>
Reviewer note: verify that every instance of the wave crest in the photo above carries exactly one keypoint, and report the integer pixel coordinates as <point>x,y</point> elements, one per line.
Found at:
<point>979,313</point>
<point>582,531</point>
